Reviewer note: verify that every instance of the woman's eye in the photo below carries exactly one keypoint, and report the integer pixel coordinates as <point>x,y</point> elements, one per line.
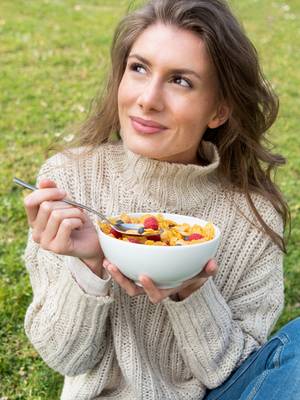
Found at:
<point>179,80</point>
<point>138,68</point>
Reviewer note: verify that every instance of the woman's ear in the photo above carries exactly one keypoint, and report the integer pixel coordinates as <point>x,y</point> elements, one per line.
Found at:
<point>221,116</point>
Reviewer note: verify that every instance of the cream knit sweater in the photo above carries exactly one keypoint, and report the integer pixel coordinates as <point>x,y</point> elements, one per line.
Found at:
<point>118,347</point>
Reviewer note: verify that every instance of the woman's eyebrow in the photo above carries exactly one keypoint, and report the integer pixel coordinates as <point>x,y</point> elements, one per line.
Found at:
<point>174,71</point>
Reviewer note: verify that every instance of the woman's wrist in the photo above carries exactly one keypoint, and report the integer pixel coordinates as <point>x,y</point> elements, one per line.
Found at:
<point>186,292</point>
<point>95,265</point>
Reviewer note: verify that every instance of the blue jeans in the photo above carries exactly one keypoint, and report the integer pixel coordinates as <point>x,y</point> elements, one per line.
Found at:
<point>272,372</point>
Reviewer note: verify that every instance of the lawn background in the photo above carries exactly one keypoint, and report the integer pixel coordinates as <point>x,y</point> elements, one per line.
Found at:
<point>53,58</point>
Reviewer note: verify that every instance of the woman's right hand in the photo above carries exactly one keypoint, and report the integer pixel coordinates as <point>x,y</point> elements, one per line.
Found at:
<point>62,228</point>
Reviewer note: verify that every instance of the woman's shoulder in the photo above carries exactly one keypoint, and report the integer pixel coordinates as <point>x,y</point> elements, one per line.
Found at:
<point>240,205</point>
<point>81,155</point>
<point>74,163</point>
<point>75,154</point>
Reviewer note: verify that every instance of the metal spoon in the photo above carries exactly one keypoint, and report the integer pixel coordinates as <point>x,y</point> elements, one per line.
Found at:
<point>121,227</point>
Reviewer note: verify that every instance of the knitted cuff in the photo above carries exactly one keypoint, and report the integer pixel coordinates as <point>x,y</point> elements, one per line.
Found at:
<point>89,282</point>
<point>206,303</point>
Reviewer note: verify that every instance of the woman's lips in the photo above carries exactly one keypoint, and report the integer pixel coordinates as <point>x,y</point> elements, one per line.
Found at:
<point>146,126</point>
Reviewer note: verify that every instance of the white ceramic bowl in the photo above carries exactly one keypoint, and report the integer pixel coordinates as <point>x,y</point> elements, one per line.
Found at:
<point>166,266</point>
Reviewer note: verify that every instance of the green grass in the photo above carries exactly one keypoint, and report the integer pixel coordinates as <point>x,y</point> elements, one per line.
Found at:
<point>53,56</point>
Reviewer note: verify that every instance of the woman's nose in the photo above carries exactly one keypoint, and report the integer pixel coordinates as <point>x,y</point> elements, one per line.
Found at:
<point>151,97</point>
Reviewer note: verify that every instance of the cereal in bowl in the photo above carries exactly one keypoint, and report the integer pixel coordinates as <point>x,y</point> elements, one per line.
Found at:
<point>160,231</point>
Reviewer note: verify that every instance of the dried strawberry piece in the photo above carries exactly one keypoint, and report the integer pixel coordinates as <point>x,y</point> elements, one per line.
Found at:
<point>116,234</point>
<point>151,223</point>
<point>195,236</point>
<point>133,240</point>
<point>155,238</point>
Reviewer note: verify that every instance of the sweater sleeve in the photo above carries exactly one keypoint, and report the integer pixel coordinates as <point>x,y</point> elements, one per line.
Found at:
<point>215,336</point>
<point>68,327</point>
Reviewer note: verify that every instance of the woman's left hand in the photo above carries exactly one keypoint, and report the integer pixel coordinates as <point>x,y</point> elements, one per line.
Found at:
<point>155,294</point>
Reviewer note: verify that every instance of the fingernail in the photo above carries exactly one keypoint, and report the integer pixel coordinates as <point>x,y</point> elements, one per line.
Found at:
<point>105,263</point>
<point>142,280</point>
<point>62,192</point>
<point>111,268</point>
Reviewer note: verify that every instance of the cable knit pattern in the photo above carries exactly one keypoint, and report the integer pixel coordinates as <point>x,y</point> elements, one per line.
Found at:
<point>124,348</point>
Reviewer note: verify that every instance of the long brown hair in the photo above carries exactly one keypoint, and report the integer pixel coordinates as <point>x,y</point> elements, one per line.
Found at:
<point>246,161</point>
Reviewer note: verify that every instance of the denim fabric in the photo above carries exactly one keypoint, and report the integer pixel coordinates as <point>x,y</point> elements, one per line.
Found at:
<point>270,373</point>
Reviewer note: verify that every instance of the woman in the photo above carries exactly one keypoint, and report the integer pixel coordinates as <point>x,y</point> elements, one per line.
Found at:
<point>191,107</point>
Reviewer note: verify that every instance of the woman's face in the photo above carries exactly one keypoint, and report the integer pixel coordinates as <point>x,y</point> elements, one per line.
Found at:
<point>168,95</point>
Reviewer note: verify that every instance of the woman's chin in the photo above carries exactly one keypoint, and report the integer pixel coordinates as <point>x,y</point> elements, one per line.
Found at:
<point>146,153</point>
<point>143,150</point>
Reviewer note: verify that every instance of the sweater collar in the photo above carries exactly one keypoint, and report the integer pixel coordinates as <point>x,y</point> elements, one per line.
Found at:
<point>173,185</point>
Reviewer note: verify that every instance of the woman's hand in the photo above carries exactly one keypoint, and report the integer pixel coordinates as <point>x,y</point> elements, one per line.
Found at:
<point>62,228</point>
<point>155,294</point>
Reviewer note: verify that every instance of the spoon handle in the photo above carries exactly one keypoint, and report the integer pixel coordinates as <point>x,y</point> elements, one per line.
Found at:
<point>71,202</point>
<point>24,184</point>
